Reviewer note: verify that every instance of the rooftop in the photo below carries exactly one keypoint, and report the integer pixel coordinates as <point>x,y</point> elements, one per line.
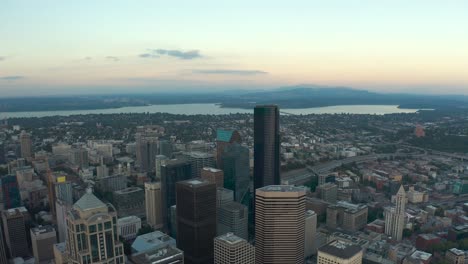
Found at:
<point>42,229</point>
<point>166,254</point>
<point>224,135</point>
<point>15,211</point>
<point>153,240</point>
<point>341,249</point>
<point>230,238</point>
<point>88,202</point>
<point>128,190</point>
<point>210,169</point>
<point>199,155</point>
<point>421,255</point>
<point>457,251</point>
<point>281,188</point>
<point>128,219</point>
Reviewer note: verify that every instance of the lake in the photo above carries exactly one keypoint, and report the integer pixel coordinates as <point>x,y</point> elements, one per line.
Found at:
<point>214,109</point>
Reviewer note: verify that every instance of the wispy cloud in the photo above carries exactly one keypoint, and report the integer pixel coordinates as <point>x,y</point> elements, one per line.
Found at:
<point>2,58</point>
<point>183,55</point>
<point>11,78</point>
<point>148,55</point>
<point>231,72</point>
<point>88,58</point>
<point>112,58</point>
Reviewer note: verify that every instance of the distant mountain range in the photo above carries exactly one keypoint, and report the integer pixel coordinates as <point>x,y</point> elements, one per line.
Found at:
<point>300,96</point>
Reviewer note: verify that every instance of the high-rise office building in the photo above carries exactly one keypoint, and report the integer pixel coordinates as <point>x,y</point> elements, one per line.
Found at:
<point>10,191</point>
<point>199,160</point>
<point>328,192</point>
<point>146,151</point>
<point>14,229</point>
<point>339,252</point>
<point>3,256</point>
<point>235,162</point>
<point>79,157</point>
<point>196,220</point>
<point>310,247</point>
<point>130,201</point>
<point>395,216</point>
<point>160,160</point>
<point>153,202</point>
<point>62,208</point>
<point>165,148</point>
<point>348,216</point>
<point>43,239</point>
<point>64,190</point>
<point>233,218</point>
<point>113,183</point>
<point>231,249</point>
<point>225,138</point>
<point>223,196</point>
<point>173,171</point>
<point>26,145</point>
<point>92,232</point>
<point>213,175</point>
<point>266,146</point>
<point>279,224</point>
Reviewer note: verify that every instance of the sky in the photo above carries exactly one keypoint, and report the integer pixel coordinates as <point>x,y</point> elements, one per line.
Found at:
<point>106,46</point>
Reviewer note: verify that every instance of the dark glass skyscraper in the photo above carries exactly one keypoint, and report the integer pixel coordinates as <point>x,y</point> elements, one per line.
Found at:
<point>266,146</point>
<point>196,220</point>
<point>235,162</point>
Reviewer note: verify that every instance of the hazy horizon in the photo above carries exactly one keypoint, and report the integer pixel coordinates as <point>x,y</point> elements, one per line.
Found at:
<point>104,47</point>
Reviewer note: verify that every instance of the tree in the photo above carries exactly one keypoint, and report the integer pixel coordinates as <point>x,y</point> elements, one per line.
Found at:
<point>145,229</point>
<point>407,232</point>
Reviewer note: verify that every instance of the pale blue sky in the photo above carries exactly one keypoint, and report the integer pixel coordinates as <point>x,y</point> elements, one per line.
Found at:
<point>89,46</point>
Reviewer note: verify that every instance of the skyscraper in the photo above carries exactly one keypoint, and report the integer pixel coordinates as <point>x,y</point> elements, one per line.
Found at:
<point>10,191</point>
<point>233,218</point>
<point>3,257</point>
<point>225,138</point>
<point>92,232</point>
<point>235,162</point>
<point>310,233</point>
<point>395,216</point>
<point>26,145</point>
<point>130,201</point>
<point>14,228</point>
<point>153,204</point>
<point>199,160</point>
<point>213,175</point>
<point>231,249</point>
<point>279,224</point>
<point>146,151</point>
<point>196,220</point>
<point>43,239</point>
<point>173,171</point>
<point>266,146</point>
<point>160,160</point>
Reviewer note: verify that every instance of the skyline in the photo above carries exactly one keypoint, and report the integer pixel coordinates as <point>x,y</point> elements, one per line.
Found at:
<point>89,47</point>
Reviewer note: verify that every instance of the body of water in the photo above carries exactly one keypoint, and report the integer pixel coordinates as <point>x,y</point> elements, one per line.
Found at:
<point>214,109</point>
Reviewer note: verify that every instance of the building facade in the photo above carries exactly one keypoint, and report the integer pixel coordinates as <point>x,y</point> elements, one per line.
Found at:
<point>395,216</point>
<point>15,231</point>
<point>92,232</point>
<point>225,138</point>
<point>231,249</point>
<point>213,175</point>
<point>235,162</point>
<point>348,216</point>
<point>127,227</point>
<point>233,218</point>
<point>279,224</point>
<point>196,220</point>
<point>43,239</point>
<point>266,146</point>
<point>153,202</point>
<point>130,201</point>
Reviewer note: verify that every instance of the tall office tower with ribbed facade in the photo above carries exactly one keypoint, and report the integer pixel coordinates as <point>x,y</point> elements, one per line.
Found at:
<point>266,146</point>
<point>15,231</point>
<point>279,224</point>
<point>92,232</point>
<point>233,218</point>
<point>3,257</point>
<point>196,220</point>
<point>26,145</point>
<point>153,204</point>
<point>231,249</point>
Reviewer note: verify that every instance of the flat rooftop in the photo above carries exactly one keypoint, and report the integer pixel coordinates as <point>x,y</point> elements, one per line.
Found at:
<point>281,188</point>
<point>340,249</point>
<point>230,238</point>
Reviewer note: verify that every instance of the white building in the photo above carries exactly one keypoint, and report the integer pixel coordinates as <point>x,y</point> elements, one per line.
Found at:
<point>127,227</point>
